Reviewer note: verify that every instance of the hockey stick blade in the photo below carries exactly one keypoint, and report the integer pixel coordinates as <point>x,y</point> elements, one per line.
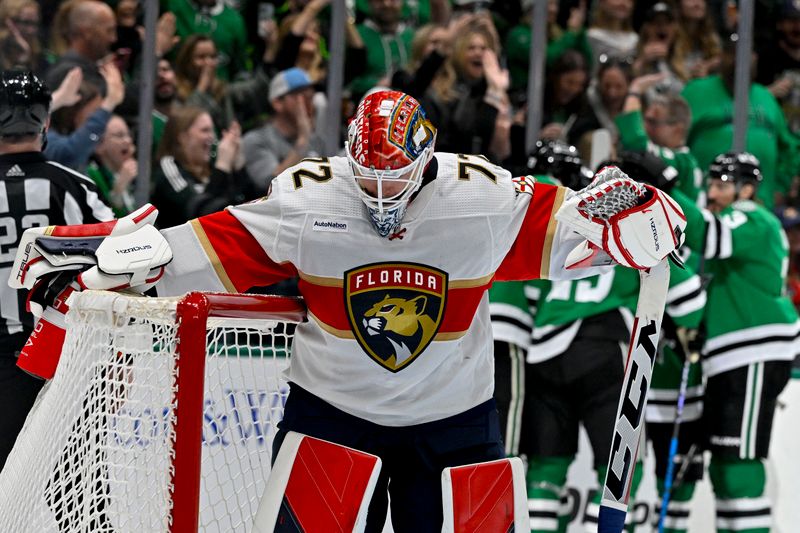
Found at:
<point>633,398</point>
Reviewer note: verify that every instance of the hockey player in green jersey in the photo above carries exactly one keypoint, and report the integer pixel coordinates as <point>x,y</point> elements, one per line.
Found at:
<point>751,335</point>
<point>511,319</point>
<point>659,125</point>
<point>559,392</point>
<point>575,360</point>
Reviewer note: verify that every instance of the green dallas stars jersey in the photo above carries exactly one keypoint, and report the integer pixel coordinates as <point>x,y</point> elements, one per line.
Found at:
<point>749,317</point>
<point>559,308</point>
<point>686,302</point>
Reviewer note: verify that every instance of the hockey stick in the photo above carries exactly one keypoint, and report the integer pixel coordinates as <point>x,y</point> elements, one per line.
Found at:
<point>630,412</point>
<point>690,358</point>
<point>685,466</point>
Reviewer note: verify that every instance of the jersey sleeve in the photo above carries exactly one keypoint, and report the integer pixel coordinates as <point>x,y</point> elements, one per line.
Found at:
<point>729,234</point>
<point>542,243</point>
<point>686,298</point>
<point>228,251</point>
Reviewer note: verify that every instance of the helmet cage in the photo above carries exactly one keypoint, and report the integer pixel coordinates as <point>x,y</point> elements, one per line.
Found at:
<point>410,176</point>
<point>389,145</point>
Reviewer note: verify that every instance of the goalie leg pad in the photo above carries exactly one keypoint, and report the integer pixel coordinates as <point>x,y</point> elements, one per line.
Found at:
<point>485,497</point>
<point>317,485</point>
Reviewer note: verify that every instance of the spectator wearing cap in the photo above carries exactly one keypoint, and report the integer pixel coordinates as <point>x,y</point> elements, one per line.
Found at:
<point>656,51</point>
<point>781,73</point>
<point>711,133</point>
<point>289,135</point>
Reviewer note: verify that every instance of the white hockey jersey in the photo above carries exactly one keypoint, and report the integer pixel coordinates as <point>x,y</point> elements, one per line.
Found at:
<point>398,330</point>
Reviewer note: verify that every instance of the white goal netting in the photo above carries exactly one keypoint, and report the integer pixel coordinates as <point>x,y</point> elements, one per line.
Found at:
<point>97,453</point>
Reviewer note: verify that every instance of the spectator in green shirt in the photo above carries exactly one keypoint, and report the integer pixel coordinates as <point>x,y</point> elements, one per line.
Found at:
<point>659,125</point>
<point>223,24</point>
<point>113,167</point>
<point>768,138</point>
<point>518,40</point>
<point>388,43</point>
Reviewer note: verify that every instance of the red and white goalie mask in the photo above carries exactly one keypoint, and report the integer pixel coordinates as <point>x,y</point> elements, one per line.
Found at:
<point>389,145</point>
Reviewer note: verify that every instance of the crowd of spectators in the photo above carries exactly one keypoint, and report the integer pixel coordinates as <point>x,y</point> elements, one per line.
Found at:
<point>240,91</point>
<point>260,69</point>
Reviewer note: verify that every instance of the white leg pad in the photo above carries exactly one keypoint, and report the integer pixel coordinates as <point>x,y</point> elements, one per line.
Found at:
<point>316,485</point>
<point>485,497</point>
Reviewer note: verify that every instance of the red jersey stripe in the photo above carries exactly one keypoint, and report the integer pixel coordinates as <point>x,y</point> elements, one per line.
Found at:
<point>222,235</point>
<point>529,257</point>
<point>325,301</point>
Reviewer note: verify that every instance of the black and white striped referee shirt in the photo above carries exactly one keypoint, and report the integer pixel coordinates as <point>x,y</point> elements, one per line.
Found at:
<point>36,192</point>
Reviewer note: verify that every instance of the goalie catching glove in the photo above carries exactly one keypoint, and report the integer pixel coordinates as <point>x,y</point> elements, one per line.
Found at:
<point>637,225</point>
<point>55,261</point>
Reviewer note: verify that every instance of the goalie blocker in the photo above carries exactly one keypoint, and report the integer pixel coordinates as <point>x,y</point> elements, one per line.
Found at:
<point>317,485</point>
<point>55,261</point>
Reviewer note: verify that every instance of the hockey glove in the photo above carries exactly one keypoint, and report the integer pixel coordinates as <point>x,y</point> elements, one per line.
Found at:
<point>636,225</point>
<point>48,303</point>
<point>56,261</point>
<point>113,255</point>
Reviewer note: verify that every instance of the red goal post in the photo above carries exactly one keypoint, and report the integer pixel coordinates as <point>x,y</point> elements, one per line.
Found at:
<point>160,416</point>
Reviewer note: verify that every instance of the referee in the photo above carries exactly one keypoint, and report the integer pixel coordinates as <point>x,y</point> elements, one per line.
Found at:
<point>33,192</point>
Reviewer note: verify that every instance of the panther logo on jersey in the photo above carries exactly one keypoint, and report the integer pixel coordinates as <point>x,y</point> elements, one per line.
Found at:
<point>395,310</point>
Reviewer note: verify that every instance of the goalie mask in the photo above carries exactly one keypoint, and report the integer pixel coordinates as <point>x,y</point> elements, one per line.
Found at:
<point>389,144</point>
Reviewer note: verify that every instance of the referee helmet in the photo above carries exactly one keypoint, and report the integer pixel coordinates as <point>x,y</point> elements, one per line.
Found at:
<point>24,104</point>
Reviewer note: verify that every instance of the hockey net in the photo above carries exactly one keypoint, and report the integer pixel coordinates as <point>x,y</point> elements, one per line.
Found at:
<point>160,417</point>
